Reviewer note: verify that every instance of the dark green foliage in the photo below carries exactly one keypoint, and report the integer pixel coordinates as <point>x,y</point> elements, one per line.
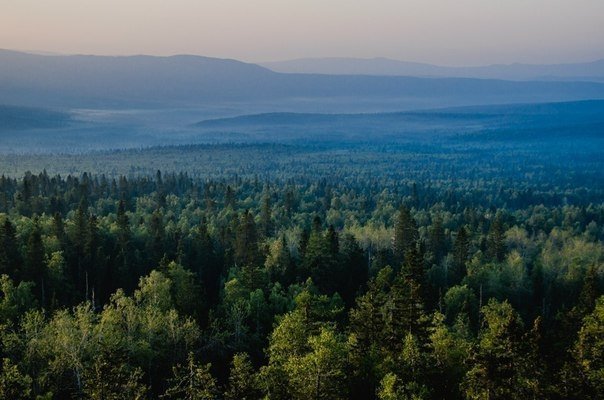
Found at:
<point>10,259</point>
<point>405,234</point>
<point>134,286</point>
<point>34,266</point>
<point>461,251</point>
<point>495,240</point>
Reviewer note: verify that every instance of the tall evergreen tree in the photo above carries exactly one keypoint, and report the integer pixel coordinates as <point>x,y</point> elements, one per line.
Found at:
<point>242,384</point>
<point>122,268</point>
<point>496,248</point>
<point>499,366</point>
<point>192,382</point>
<point>266,223</point>
<point>10,259</point>
<point>437,240</point>
<point>405,234</point>
<point>246,241</point>
<point>34,268</point>
<point>404,313</point>
<point>461,251</point>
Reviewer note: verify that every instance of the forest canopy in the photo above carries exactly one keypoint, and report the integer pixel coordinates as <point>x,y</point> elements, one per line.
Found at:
<point>328,286</point>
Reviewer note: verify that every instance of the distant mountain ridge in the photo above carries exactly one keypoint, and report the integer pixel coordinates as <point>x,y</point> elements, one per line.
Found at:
<point>81,81</point>
<point>14,118</point>
<point>589,71</point>
<point>521,121</point>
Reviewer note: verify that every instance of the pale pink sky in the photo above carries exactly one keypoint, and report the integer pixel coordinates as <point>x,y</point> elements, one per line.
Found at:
<point>450,32</point>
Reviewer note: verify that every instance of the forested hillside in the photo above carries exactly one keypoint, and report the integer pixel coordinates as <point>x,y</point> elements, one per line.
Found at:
<point>348,285</point>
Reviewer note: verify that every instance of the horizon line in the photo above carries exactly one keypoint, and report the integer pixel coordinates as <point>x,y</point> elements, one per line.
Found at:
<point>315,58</point>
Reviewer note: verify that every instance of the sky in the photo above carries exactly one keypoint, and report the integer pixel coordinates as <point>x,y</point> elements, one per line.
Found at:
<point>445,32</point>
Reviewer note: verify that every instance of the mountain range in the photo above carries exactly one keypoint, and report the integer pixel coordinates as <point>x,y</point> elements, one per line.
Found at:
<point>590,71</point>
<point>103,82</point>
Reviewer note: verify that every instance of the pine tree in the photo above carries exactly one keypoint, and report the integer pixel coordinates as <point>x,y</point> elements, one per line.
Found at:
<point>438,244</point>
<point>10,259</point>
<point>353,269</point>
<point>93,259</point>
<point>367,335</point>
<point>319,262</point>
<point>413,267</point>
<point>321,373</point>
<point>404,313</point>
<point>34,269</point>
<point>266,224</point>
<point>589,292</point>
<point>156,226</point>
<point>242,380</point>
<point>229,197</point>
<point>499,366</point>
<point>461,251</point>
<point>589,351</point>
<point>246,241</point>
<point>496,248</point>
<point>192,382</point>
<point>122,269</point>
<point>205,262</point>
<point>78,251</point>
<point>405,234</point>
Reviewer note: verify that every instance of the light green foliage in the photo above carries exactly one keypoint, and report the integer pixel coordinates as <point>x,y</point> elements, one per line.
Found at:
<point>113,379</point>
<point>499,368</point>
<point>589,349</point>
<point>243,383</point>
<point>449,353</point>
<point>460,300</point>
<point>14,300</point>
<point>192,381</point>
<point>185,291</point>
<point>321,372</point>
<point>13,383</point>
<point>391,388</point>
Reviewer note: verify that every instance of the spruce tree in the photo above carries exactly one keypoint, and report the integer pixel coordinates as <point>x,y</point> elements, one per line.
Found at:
<point>34,269</point>
<point>461,251</point>
<point>496,248</point>
<point>405,234</point>
<point>10,259</point>
<point>242,383</point>
<point>437,240</point>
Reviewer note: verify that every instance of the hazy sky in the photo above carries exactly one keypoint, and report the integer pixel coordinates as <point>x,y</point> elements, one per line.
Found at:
<point>451,32</point>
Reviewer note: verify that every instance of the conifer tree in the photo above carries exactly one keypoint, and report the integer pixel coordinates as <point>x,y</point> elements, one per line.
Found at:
<point>10,259</point>
<point>246,241</point>
<point>192,382</point>
<point>496,248</point>
<point>437,242</point>
<point>499,368</point>
<point>461,251</point>
<point>266,224</point>
<point>589,351</point>
<point>405,234</point>
<point>242,384</point>
<point>34,269</point>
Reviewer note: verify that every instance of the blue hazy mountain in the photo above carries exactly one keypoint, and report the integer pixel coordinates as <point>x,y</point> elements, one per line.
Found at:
<point>590,71</point>
<point>184,81</point>
<point>25,129</point>
<point>15,118</point>
<point>551,121</point>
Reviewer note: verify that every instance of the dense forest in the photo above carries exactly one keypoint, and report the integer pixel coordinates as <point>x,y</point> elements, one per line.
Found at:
<point>481,282</point>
